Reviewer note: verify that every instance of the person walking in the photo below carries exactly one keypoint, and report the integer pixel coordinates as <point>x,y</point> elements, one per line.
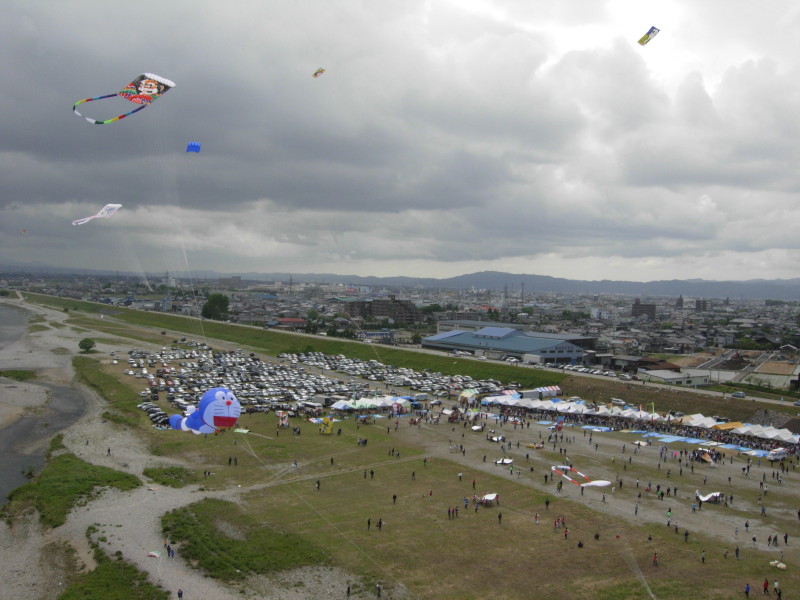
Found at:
<point>766,587</point>
<point>747,590</point>
<point>655,559</point>
<point>500,518</point>
<point>703,557</point>
<point>180,593</point>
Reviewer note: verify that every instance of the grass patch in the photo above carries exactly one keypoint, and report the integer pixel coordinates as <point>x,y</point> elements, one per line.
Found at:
<point>176,477</point>
<point>121,398</point>
<point>226,543</point>
<point>60,351</point>
<point>667,398</point>
<point>37,328</point>
<point>113,579</point>
<point>65,481</point>
<point>56,324</point>
<point>56,444</point>
<point>18,374</point>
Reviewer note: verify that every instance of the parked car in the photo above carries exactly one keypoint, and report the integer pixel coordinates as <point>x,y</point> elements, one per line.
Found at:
<point>738,394</point>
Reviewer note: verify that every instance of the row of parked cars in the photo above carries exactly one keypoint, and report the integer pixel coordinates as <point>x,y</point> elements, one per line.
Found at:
<point>426,381</point>
<point>583,369</point>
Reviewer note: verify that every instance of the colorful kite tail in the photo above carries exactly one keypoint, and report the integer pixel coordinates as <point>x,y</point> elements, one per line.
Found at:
<point>96,122</point>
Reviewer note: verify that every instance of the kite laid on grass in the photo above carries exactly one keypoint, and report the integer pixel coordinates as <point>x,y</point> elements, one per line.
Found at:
<point>218,409</point>
<point>653,32</point>
<point>106,211</point>
<point>144,90</point>
<point>318,72</point>
<point>193,147</point>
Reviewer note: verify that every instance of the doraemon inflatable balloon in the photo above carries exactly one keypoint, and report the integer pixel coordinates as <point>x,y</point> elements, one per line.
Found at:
<point>218,409</point>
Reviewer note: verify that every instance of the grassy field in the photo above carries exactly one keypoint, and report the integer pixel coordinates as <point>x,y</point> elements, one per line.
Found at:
<point>112,579</point>
<point>474,556</point>
<point>18,374</point>
<point>171,476</point>
<point>229,543</point>
<point>65,481</point>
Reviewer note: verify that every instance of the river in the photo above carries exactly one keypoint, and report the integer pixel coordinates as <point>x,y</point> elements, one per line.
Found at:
<point>23,444</point>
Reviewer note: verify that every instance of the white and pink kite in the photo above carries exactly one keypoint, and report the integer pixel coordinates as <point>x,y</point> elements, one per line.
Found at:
<point>106,211</point>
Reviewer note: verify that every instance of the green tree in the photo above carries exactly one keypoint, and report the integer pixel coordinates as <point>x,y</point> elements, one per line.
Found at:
<point>86,344</point>
<point>216,307</point>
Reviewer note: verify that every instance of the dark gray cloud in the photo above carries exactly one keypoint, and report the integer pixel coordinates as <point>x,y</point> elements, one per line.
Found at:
<point>445,137</point>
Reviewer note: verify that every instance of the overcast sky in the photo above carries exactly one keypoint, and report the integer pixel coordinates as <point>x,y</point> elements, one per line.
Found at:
<point>445,137</point>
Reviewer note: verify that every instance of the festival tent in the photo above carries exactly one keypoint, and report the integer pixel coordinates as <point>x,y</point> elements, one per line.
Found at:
<point>489,499</point>
<point>643,415</point>
<point>493,400</point>
<point>728,426</point>
<point>548,391</point>
<point>701,421</point>
<point>342,405</point>
<point>469,396</point>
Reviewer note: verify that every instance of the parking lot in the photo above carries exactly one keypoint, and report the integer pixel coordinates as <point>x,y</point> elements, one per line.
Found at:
<point>291,382</point>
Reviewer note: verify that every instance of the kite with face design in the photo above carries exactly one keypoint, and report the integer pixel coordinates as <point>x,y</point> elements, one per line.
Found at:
<point>144,90</point>
<point>218,409</point>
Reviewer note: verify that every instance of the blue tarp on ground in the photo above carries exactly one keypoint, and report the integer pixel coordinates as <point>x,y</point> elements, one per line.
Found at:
<point>667,439</point>
<point>758,453</point>
<point>544,422</point>
<point>652,434</point>
<point>730,446</point>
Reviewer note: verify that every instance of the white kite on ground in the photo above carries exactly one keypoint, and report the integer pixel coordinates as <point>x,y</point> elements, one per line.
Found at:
<point>106,211</point>
<point>714,496</point>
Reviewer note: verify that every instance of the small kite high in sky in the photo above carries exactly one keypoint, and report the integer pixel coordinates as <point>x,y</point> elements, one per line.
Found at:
<point>106,211</point>
<point>144,90</point>
<point>193,147</point>
<point>318,72</point>
<point>653,32</point>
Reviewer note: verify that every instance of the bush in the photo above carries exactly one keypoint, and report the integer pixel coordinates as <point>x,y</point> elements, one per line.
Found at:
<point>86,344</point>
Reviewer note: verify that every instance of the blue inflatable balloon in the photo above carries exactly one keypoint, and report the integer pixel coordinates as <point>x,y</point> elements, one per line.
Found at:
<point>218,409</point>
<point>193,147</point>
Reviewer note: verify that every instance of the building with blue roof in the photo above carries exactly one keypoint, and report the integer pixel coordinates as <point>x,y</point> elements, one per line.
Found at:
<point>499,341</point>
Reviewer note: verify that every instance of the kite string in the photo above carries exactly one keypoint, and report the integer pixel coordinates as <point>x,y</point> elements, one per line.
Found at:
<point>325,518</point>
<point>168,170</point>
<point>637,570</point>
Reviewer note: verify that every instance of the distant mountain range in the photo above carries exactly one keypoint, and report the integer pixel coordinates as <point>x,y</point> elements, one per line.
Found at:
<point>775,289</point>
